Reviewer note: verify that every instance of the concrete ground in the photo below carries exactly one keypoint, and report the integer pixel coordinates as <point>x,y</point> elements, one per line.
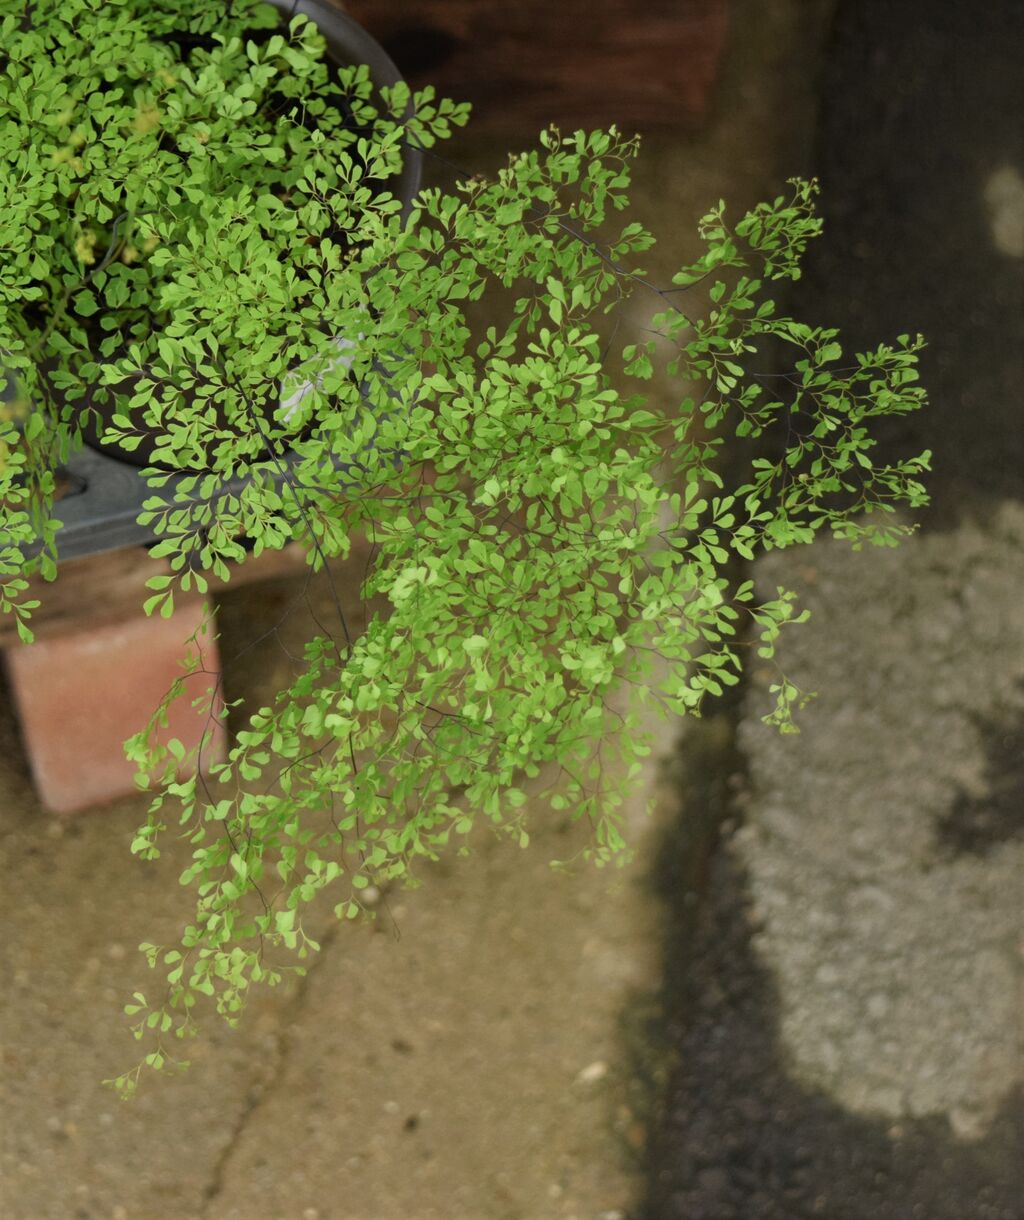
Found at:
<point>802,999</point>
<point>846,1010</point>
<point>846,1019</point>
<point>897,944</point>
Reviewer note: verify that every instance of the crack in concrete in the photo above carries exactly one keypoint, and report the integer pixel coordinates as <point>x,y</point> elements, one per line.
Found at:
<point>259,1093</point>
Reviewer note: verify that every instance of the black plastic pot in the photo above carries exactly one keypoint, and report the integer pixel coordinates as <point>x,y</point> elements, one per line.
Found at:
<point>347,44</point>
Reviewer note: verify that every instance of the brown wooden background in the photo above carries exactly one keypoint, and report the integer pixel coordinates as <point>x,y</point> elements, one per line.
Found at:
<point>642,64</point>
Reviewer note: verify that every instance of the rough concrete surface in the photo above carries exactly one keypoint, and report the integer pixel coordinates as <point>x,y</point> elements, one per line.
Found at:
<point>901,805</point>
<point>896,942</point>
<point>844,1003</point>
<point>844,1007</point>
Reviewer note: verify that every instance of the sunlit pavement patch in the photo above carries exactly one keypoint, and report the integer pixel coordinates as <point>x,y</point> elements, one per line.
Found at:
<point>897,956</point>
<point>1004,198</point>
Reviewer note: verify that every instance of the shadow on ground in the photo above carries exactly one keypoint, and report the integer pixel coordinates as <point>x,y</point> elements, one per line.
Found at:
<point>977,823</point>
<point>741,1140</point>
<point>920,124</point>
<point>920,152</point>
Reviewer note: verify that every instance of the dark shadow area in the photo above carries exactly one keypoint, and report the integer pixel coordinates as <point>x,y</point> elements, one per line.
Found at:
<point>977,824</point>
<point>12,748</point>
<point>652,1028</point>
<point>921,107</point>
<point>740,1140</point>
<point>420,50</point>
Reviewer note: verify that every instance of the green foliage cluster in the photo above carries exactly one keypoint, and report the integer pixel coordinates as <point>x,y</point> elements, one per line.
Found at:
<point>549,537</point>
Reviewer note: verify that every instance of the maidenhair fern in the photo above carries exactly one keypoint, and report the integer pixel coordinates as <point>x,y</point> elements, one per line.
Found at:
<point>550,539</point>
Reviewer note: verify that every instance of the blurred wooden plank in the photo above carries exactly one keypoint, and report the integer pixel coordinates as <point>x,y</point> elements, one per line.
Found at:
<point>576,63</point>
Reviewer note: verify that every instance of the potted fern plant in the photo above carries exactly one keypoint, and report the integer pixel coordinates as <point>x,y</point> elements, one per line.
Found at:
<point>544,529</point>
